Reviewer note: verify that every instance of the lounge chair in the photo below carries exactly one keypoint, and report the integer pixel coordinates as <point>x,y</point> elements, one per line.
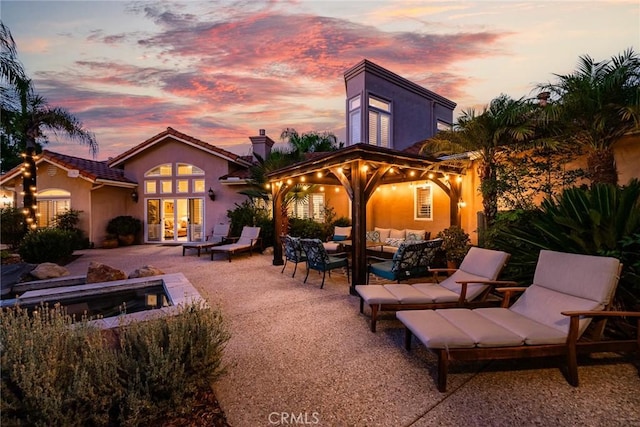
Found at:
<point>249,239</point>
<point>469,285</point>
<point>412,259</point>
<point>318,259</point>
<point>217,238</point>
<point>293,252</point>
<point>548,319</point>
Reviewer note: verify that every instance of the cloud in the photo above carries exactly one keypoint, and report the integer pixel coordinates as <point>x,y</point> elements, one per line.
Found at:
<point>228,72</point>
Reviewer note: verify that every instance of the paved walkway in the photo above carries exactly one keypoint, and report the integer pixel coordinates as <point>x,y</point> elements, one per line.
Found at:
<point>300,354</point>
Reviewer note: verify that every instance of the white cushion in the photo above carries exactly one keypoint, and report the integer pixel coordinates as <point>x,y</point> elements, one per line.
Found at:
<point>473,289</point>
<point>436,293</point>
<point>342,231</point>
<point>486,263</point>
<point>481,330</point>
<point>384,233</point>
<point>397,234</point>
<point>433,330</point>
<point>407,294</point>
<point>376,294</point>
<point>545,306</point>
<point>532,332</point>
<point>585,276</point>
<point>414,234</point>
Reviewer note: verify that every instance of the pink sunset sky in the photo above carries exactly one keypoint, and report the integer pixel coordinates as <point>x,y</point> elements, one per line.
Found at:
<point>221,70</point>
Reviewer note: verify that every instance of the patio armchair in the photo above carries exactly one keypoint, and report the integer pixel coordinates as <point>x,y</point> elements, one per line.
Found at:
<point>469,285</point>
<point>334,243</point>
<point>549,319</point>
<point>412,259</point>
<point>318,259</point>
<point>249,239</point>
<point>293,252</point>
<point>218,237</point>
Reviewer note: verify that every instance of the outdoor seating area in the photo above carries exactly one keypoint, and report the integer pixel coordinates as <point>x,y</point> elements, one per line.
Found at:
<point>217,237</point>
<point>549,319</point>
<point>470,284</point>
<point>286,335</point>
<point>318,259</point>
<point>248,241</point>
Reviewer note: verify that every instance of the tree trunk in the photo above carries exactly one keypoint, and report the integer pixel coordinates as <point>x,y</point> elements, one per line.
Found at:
<point>601,166</point>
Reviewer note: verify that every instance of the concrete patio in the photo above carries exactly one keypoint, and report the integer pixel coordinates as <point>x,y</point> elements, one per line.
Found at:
<point>300,354</point>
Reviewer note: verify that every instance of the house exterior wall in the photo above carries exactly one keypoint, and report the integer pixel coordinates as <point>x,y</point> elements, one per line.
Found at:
<point>106,203</point>
<point>415,111</point>
<point>394,208</point>
<point>171,151</point>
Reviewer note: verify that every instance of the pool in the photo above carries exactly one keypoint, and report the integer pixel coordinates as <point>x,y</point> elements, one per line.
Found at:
<point>115,302</point>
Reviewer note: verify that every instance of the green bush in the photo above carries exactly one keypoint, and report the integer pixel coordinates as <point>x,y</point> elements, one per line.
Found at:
<point>307,228</point>
<point>601,220</point>
<point>69,220</point>
<point>124,225</point>
<point>56,371</point>
<point>248,214</point>
<point>12,228</point>
<point>47,245</point>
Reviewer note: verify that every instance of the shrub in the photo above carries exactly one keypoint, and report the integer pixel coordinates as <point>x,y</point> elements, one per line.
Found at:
<point>248,214</point>
<point>69,220</point>
<point>455,243</point>
<point>124,225</point>
<point>56,371</point>
<point>601,220</point>
<point>47,245</point>
<point>12,229</point>
<point>307,228</point>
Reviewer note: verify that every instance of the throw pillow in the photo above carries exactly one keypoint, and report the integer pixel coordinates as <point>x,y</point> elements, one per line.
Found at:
<point>384,232</point>
<point>373,236</point>
<point>390,241</point>
<point>397,234</point>
<point>419,234</point>
<point>339,238</point>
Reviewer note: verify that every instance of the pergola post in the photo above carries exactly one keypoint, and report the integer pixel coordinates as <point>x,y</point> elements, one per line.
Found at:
<point>359,225</point>
<point>277,194</point>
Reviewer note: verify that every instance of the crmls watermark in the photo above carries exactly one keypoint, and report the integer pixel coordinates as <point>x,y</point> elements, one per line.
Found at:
<point>291,418</point>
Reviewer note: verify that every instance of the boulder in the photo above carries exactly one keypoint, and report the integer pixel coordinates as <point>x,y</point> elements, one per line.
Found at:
<point>98,272</point>
<point>146,271</point>
<point>49,270</point>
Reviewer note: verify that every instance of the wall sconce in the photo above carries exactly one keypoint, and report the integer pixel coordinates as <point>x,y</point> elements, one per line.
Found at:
<point>134,196</point>
<point>212,195</point>
<point>461,203</point>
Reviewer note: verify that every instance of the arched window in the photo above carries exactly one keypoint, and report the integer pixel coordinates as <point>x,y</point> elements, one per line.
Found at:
<point>187,169</point>
<point>161,170</point>
<point>52,202</point>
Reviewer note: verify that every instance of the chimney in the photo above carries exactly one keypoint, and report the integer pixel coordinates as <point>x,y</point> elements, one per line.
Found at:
<point>261,144</point>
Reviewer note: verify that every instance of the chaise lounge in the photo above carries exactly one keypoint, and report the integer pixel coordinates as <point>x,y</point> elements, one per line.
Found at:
<point>249,239</point>
<point>549,319</point>
<point>469,285</point>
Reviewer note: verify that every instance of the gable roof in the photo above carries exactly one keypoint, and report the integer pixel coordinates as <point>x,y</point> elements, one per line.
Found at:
<point>91,170</point>
<point>183,138</point>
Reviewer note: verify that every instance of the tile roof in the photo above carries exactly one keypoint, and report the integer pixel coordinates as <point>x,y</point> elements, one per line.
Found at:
<point>170,132</point>
<point>91,169</point>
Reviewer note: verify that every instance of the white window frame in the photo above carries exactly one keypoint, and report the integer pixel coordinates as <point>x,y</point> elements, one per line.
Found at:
<point>355,119</point>
<point>423,211</point>
<point>379,111</point>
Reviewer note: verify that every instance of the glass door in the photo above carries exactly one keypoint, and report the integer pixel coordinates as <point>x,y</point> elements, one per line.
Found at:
<point>195,231</point>
<point>153,223</point>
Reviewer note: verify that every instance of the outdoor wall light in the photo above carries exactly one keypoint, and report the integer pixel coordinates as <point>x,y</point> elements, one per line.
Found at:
<point>134,196</point>
<point>212,195</point>
<point>461,203</point>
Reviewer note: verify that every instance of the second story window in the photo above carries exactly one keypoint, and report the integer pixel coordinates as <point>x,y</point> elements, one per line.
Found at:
<point>355,120</point>
<point>379,122</point>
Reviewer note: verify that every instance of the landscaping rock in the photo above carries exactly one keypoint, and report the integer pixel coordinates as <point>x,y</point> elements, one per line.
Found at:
<point>12,274</point>
<point>98,272</point>
<point>146,271</point>
<point>49,270</point>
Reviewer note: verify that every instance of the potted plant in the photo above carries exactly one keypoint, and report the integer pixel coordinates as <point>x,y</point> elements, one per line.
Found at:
<point>125,227</point>
<point>455,243</point>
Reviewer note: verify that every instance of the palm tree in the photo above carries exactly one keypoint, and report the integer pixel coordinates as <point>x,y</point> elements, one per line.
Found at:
<point>310,142</point>
<point>504,122</point>
<point>27,119</point>
<point>596,105</point>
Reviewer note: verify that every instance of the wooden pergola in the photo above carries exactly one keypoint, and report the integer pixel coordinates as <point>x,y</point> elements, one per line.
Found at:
<point>360,169</point>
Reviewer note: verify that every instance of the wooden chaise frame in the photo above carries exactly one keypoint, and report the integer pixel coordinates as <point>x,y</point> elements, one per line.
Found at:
<point>570,349</point>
